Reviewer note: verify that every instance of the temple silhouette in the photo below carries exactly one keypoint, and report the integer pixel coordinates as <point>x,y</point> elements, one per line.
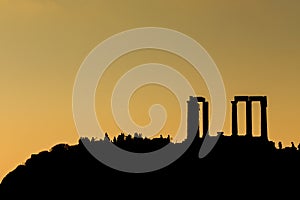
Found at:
<point>193,105</point>
<point>236,163</point>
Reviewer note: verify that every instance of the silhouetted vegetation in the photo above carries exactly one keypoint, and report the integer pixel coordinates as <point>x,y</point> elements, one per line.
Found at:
<point>136,143</point>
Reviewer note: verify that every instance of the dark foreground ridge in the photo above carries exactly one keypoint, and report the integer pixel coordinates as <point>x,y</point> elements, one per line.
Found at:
<point>237,166</point>
<point>236,163</point>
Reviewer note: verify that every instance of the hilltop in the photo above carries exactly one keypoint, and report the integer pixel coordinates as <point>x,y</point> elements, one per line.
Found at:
<point>234,162</point>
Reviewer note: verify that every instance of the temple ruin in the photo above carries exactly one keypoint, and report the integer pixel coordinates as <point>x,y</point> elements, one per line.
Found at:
<point>263,112</point>
<point>193,115</point>
<point>194,108</point>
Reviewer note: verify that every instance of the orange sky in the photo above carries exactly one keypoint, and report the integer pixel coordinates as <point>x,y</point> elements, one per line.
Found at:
<point>255,44</point>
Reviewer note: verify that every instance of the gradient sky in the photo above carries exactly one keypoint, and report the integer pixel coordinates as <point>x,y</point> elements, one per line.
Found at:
<point>255,44</point>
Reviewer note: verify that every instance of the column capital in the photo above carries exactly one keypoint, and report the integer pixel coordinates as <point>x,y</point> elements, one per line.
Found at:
<point>263,103</point>
<point>234,102</point>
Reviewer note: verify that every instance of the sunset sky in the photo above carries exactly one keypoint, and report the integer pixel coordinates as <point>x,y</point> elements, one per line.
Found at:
<point>255,45</point>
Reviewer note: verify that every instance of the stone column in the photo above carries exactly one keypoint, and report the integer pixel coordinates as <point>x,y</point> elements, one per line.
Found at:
<point>234,120</point>
<point>192,118</point>
<point>205,119</point>
<point>263,119</point>
<point>249,118</point>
